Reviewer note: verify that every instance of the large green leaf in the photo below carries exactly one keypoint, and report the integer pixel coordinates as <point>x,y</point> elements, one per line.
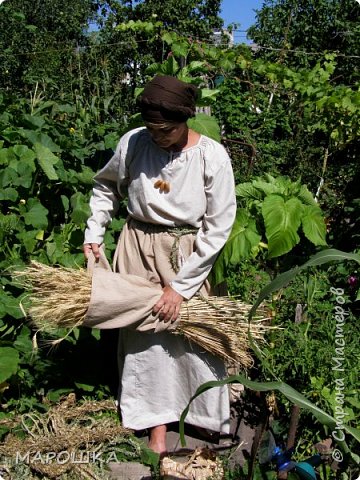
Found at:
<point>29,239</point>
<point>306,196</point>
<point>180,49</point>
<point>8,194</point>
<point>8,176</point>
<point>196,65</point>
<point>40,137</point>
<point>24,153</point>
<point>266,186</point>
<point>293,395</point>
<point>36,214</point>
<point>208,96</point>
<point>247,190</point>
<point>80,208</point>
<point>243,237</point>
<point>170,66</point>
<point>325,256</point>
<point>282,220</point>
<point>9,361</point>
<point>9,305</point>
<point>226,63</point>
<point>34,122</point>
<point>205,125</point>
<point>46,160</point>
<point>313,224</point>
<point>6,156</point>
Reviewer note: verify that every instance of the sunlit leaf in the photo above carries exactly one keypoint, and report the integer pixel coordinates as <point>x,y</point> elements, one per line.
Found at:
<point>313,225</point>
<point>243,237</point>
<point>9,361</point>
<point>282,220</point>
<point>46,160</point>
<point>36,214</point>
<point>205,125</point>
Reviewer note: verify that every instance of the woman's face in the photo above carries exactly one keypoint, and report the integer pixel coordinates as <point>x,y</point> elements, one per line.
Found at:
<point>174,135</point>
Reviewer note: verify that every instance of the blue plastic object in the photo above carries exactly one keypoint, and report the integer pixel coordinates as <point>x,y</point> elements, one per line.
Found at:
<point>283,459</point>
<point>305,471</point>
<point>270,452</point>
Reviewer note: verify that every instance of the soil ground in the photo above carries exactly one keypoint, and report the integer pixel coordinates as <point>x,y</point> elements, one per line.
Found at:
<point>236,447</point>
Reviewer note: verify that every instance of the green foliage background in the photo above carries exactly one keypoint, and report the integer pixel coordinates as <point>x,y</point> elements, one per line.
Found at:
<point>287,112</point>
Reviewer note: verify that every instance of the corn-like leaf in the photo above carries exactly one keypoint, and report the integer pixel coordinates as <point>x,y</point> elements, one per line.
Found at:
<point>325,256</point>
<point>293,395</point>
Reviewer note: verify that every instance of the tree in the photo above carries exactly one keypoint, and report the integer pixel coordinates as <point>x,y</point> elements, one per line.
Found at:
<point>311,26</point>
<point>38,36</point>
<point>197,18</point>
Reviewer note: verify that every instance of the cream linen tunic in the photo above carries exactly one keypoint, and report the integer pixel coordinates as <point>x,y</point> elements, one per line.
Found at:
<point>201,194</point>
<point>159,372</point>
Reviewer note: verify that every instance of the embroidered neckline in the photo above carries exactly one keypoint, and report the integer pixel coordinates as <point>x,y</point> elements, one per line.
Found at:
<point>200,142</point>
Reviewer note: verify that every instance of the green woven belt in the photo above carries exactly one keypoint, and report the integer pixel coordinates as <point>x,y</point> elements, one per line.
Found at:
<point>176,232</point>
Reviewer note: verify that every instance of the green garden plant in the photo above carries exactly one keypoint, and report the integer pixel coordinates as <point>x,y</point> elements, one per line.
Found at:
<point>271,214</point>
<point>321,394</point>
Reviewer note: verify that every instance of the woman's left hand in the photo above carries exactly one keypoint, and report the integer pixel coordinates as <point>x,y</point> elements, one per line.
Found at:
<point>168,305</point>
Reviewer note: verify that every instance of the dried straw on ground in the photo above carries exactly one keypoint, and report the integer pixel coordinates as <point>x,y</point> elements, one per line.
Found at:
<point>60,298</point>
<point>66,439</point>
<point>202,465</point>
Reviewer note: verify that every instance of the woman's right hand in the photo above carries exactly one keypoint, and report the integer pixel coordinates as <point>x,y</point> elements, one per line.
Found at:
<point>92,247</point>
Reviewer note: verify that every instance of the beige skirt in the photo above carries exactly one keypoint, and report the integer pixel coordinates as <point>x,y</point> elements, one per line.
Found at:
<point>159,372</point>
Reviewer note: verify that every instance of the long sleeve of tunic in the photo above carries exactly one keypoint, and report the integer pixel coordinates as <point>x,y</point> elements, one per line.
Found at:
<point>201,194</point>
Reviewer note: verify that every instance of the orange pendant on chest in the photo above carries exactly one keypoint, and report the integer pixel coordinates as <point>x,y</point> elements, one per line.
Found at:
<point>162,185</point>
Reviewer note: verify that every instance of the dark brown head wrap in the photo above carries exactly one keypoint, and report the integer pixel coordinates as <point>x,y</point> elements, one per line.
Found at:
<point>166,99</point>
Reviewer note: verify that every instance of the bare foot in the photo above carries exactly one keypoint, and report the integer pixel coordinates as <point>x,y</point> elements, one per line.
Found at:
<point>157,441</point>
<point>158,447</point>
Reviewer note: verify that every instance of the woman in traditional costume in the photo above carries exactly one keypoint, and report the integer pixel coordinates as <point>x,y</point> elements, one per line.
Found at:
<point>181,206</point>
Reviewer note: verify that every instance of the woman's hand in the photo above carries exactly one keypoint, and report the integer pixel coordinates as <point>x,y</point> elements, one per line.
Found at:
<point>168,305</point>
<point>91,247</point>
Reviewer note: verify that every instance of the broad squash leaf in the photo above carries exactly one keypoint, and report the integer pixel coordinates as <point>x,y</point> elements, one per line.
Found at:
<point>208,96</point>
<point>265,187</point>
<point>247,190</point>
<point>80,208</point>
<point>180,49</point>
<point>313,225</point>
<point>282,220</point>
<point>243,237</point>
<point>306,196</point>
<point>9,361</point>
<point>46,160</point>
<point>205,125</point>
<point>169,67</point>
<point>24,153</point>
<point>29,239</point>
<point>36,214</point>
<point>8,194</point>
<point>40,137</point>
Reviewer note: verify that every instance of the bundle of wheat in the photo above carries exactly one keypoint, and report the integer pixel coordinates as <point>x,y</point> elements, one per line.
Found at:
<point>60,298</point>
